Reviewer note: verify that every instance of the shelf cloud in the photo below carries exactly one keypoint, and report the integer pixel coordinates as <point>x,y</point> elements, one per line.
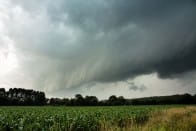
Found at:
<point>66,44</point>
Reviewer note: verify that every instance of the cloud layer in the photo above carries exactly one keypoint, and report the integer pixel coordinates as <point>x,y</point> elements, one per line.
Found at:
<point>65,44</point>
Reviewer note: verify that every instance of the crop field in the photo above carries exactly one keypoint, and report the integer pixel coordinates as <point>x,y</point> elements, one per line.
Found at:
<point>48,118</point>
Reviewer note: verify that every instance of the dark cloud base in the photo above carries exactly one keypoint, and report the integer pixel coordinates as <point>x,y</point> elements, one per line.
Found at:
<point>72,43</point>
<point>181,62</point>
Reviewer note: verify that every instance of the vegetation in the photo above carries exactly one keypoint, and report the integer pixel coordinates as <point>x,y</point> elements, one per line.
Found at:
<point>47,118</point>
<point>174,119</point>
<point>17,96</point>
<point>105,116</point>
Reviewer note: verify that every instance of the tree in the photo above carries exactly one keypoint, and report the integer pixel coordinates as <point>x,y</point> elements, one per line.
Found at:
<point>112,100</point>
<point>91,101</point>
<point>79,99</point>
<point>2,96</point>
<point>40,98</point>
<point>121,100</point>
<point>2,91</point>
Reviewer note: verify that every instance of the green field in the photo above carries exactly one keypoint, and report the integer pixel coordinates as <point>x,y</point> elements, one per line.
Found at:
<point>88,118</point>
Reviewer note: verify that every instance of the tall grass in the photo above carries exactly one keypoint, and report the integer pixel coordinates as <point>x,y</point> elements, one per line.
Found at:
<point>173,119</point>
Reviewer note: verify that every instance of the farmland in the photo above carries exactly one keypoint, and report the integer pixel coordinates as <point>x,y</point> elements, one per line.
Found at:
<point>98,118</point>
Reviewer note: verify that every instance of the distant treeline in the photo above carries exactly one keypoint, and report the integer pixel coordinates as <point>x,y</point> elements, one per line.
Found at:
<point>18,96</point>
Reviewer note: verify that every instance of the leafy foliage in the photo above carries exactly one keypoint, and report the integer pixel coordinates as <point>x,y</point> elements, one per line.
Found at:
<point>71,118</point>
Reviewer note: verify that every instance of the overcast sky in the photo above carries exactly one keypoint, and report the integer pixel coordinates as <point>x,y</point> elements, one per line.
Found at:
<point>133,48</point>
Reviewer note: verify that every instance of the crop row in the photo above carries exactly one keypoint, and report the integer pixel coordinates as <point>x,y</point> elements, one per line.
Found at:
<point>71,118</point>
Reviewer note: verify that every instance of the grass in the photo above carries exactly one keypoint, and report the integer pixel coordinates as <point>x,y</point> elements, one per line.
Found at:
<point>174,119</point>
<point>136,118</point>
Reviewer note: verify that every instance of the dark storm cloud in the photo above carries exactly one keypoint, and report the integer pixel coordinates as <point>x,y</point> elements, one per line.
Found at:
<point>179,63</point>
<point>105,16</point>
<point>76,42</point>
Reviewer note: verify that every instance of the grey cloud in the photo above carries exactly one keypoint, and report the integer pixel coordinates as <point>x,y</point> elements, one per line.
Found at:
<point>73,42</point>
<point>105,16</point>
<point>134,87</point>
<point>93,14</point>
<point>181,62</point>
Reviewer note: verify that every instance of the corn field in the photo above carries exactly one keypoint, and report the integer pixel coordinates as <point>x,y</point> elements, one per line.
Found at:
<point>48,118</point>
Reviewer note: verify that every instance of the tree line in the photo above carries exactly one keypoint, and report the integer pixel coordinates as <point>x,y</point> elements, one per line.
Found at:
<point>18,96</point>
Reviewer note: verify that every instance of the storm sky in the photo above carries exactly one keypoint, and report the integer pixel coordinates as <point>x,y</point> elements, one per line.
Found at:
<point>133,48</point>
